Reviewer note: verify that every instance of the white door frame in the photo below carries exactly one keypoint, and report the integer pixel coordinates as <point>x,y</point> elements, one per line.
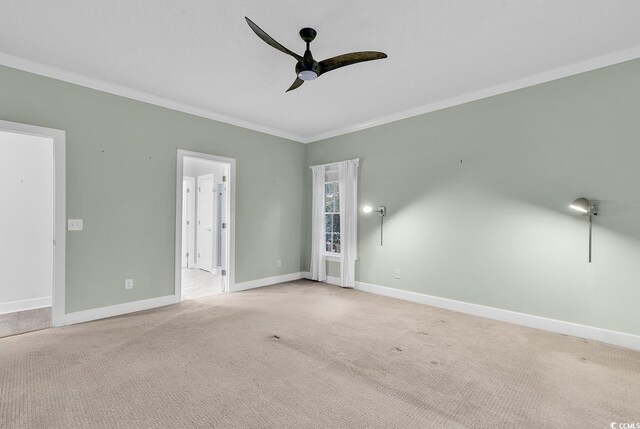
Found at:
<point>59,210</point>
<point>228,281</point>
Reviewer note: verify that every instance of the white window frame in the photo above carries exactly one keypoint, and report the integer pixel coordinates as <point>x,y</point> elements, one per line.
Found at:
<point>331,256</point>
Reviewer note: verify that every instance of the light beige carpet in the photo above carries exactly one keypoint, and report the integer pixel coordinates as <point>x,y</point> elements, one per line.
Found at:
<point>307,355</point>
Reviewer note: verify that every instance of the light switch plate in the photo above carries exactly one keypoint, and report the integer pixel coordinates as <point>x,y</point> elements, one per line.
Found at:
<point>75,225</point>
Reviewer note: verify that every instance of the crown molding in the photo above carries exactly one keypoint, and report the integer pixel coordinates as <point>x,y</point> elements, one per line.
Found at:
<point>574,69</point>
<point>100,85</point>
<point>123,91</point>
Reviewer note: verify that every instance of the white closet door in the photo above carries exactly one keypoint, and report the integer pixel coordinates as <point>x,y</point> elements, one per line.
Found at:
<point>205,230</point>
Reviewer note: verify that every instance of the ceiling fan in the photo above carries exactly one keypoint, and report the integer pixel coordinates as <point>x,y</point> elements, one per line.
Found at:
<point>306,67</point>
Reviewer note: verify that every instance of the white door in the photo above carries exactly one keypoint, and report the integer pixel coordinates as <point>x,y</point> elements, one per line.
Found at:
<point>219,219</point>
<point>206,222</point>
<point>188,222</point>
<point>185,225</point>
<point>224,230</point>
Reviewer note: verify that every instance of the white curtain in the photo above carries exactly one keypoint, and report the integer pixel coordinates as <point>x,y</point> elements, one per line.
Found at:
<point>348,179</point>
<point>318,269</point>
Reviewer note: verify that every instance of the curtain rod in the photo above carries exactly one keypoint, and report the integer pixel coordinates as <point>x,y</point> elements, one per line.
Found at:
<point>336,163</point>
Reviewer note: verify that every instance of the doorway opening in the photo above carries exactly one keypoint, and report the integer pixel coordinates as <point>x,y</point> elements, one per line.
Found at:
<point>32,181</point>
<point>204,222</point>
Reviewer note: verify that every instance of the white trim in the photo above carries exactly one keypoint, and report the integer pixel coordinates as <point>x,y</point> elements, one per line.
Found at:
<point>333,257</point>
<point>118,309</point>
<point>573,69</point>
<point>568,328</point>
<point>231,219</point>
<point>59,216</point>
<point>100,85</point>
<point>25,304</point>
<point>252,284</point>
<point>134,94</point>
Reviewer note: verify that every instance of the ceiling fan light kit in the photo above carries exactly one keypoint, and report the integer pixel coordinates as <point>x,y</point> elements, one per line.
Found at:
<point>306,67</point>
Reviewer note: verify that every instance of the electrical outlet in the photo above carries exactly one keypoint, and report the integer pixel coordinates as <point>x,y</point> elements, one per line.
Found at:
<point>74,225</point>
<point>128,284</point>
<point>279,263</point>
<point>397,273</point>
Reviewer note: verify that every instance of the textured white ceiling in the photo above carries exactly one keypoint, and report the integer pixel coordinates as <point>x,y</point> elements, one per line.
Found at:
<point>202,53</point>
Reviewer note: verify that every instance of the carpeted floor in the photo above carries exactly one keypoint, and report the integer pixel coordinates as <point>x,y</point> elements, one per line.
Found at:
<point>300,355</point>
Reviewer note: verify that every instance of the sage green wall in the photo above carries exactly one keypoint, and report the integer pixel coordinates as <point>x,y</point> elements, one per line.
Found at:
<point>477,199</point>
<point>121,166</point>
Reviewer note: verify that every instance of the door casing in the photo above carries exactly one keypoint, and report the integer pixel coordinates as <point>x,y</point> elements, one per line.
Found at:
<point>228,236</point>
<point>59,210</point>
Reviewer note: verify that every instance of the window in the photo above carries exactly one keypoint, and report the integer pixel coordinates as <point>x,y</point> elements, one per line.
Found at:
<point>332,217</point>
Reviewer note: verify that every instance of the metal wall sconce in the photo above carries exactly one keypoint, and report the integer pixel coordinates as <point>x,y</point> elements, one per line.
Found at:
<point>586,207</point>
<point>382,212</point>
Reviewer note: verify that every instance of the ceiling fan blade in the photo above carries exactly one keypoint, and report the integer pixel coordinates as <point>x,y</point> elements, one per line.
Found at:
<point>296,84</point>
<point>348,59</point>
<point>270,40</point>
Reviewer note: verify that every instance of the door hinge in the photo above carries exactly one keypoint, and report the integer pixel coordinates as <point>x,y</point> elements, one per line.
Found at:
<point>187,222</point>
<point>224,272</point>
<point>198,254</point>
<point>188,190</point>
<point>224,225</point>
<point>224,178</point>
<point>187,254</point>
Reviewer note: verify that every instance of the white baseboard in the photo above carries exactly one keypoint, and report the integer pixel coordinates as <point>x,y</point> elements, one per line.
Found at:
<point>252,284</point>
<point>117,310</point>
<point>25,304</point>
<point>588,332</point>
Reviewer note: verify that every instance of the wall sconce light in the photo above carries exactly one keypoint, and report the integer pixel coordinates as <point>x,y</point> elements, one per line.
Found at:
<point>586,207</point>
<point>382,212</point>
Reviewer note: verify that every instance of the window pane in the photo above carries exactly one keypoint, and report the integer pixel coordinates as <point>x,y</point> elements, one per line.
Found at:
<point>329,196</point>
<point>328,223</point>
<point>329,187</point>
<point>336,243</point>
<point>328,243</point>
<point>336,199</point>
<point>336,223</point>
<point>328,204</point>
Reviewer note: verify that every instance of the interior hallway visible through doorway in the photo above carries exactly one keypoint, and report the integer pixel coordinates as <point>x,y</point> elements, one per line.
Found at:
<point>197,283</point>
<point>204,207</point>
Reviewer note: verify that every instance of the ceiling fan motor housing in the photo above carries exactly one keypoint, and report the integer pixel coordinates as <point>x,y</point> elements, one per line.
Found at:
<point>308,63</point>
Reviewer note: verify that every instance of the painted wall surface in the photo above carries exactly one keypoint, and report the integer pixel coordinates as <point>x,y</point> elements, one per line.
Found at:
<point>477,198</point>
<point>26,219</point>
<point>121,167</point>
